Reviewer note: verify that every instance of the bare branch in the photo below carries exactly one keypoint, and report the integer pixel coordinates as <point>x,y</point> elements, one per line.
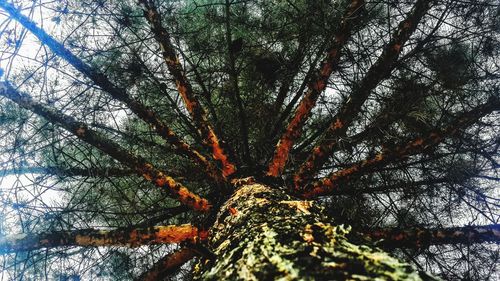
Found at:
<point>380,70</point>
<point>315,88</point>
<point>119,94</point>
<point>83,132</point>
<point>418,145</point>
<point>185,89</point>
<point>72,171</point>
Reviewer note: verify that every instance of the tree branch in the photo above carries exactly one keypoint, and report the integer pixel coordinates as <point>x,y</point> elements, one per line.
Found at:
<point>146,114</point>
<point>278,124</point>
<point>384,189</point>
<point>83,132</point>
<point>130,237</point>
<point>418,145</point>
<point>291,71</point>
<point>185,89</point>
<point>315,88</point>
<point>168,265</point>
<point>390,238</point>
<point>379,71</point>
<point>69,171</point>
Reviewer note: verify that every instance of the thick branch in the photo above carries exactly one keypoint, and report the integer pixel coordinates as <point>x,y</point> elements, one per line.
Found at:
<point>379,71</point>
<point>168,265</point>
<point>94,138</point>
<point>315,88</point>
<point>419,237</point>
<point>185,89</point>
<point>119,94</point>
<point>130,237</point>
<point>418,145</point>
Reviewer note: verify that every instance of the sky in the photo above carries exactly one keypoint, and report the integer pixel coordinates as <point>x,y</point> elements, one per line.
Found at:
<point>20,51</point>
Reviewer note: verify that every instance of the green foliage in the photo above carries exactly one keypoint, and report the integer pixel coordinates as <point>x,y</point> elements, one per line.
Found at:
<point>452,64</point>
<point>448,66</point>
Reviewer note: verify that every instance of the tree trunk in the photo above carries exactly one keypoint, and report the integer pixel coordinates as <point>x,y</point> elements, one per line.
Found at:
<point>263,234</point>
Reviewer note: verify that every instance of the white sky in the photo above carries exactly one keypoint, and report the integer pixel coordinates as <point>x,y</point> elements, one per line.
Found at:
<point>24,57</point>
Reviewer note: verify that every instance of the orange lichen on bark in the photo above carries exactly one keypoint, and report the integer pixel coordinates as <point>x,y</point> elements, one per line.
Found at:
<point>328,183</point>
<point>318,189</point>
<point>161,180</point>
<point>280,157</point>
<point>233,211</point>
<point>325,185</point>
<point>211,138</point>
<point>317,156</point>
<point>218,153</point>
<point>146,172</point>
<point>418,145</point>
<point>338,124</point>
<point>315,88</point>
<point>377,72</point>
<point>291,134</point>
<point>182,89</point>
<point>148,177</point>
<point>190,199</point>
<point>138,237</point>
<point>186,91</point>
<point>317,150</point>
<point>87,240</point>
<point>130,237</point>
<point>182,193</point>
<point>166,234</point>
<point>178,234</point>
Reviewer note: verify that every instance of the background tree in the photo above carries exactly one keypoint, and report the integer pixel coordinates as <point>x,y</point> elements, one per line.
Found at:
<point>250,139</point>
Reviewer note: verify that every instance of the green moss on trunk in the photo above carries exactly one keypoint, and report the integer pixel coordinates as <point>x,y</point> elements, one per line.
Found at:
<point>264,234</point>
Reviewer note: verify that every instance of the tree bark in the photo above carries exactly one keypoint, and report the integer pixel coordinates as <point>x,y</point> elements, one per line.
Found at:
<point>261,233</point>
<point>130,237</point>
<point>420,237</point>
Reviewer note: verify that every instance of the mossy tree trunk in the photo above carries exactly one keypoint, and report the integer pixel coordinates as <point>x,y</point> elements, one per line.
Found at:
<point>263,234</point>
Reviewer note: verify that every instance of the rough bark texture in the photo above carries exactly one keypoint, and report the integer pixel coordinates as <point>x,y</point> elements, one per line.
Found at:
<point>264,234</point>
<point>94,237</point>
